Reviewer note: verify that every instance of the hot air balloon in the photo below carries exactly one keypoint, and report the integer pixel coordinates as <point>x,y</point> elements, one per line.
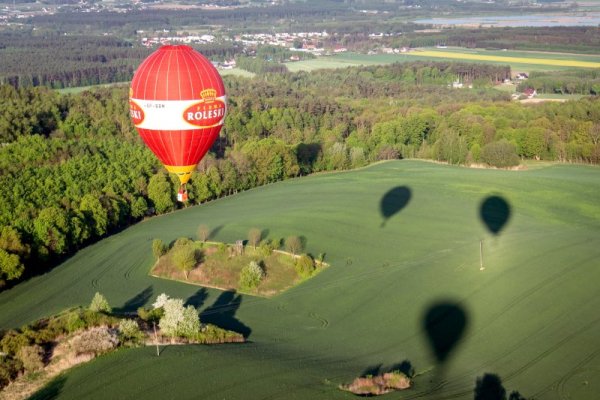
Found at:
<point>177,102</point>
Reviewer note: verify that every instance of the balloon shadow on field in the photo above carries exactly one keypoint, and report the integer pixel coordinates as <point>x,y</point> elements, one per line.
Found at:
<point>495,213</point>
<point>393,201</point>
<point>445,324</point>
<point>222,313</point>
<point>51,390</point>
<point>197,299</point>
<point>489,387</point>
<point>136,301</point>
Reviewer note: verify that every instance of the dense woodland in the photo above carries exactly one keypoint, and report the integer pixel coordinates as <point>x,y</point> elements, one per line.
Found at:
<point>69,61</point>
<point>583,39</point>
<point>72,168</point>
<point>582,81</point>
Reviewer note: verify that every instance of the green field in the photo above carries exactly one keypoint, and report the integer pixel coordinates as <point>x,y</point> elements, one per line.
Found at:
<point>513,58</point>
<point>531,317</point>
<point>79,89</point>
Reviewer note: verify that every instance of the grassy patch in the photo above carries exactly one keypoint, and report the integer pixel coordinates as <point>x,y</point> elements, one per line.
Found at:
<point>221,266</point>
<point>531,317</point>
<point>519,61</point>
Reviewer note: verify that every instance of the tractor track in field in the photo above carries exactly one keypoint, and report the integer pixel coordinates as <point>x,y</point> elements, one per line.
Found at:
<point>556,277</point>
<point>581,367</point>
<point>129,270</point>
<point>549,351</point>
<point>324,323</point>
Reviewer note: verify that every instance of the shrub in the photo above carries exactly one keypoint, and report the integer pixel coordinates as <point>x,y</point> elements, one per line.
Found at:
<point>161,300</point>
<point>9,370</point>
<point>129,328</point>
<point>221,248</point>
<point>12,342</point>
<point>321,258</point>
<point>182,242</point>
<point>159,249</point>
<point>190,324</point>
<point>95,318</point>
<point>179,321</point>
<point>266,247</point>
<point>254,236</point>
<point>501,154</point>
<point>305,266</point>
<point>32,357</point>
<point>184,257</point>
<point>99,304</point>
<point>293,244</point>
<point>150,315</point>
<point>43,335</point>
<point>251,275</point>
<point>129,332</point>
<point>203,233</point>
<point>97,340</point>
<point>73,322</point>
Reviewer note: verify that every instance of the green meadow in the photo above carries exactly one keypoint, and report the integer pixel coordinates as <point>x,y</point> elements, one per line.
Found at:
<point>513,58</point>
<point>404,288</point>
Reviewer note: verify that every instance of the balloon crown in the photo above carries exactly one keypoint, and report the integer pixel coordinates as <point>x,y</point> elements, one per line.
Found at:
<point>208,95</point>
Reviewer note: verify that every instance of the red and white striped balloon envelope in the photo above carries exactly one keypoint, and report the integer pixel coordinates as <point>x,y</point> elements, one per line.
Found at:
<point>177,102</point>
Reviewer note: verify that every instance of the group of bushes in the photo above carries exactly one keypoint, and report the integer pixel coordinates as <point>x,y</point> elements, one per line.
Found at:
<point>177,321</point>
<point>95,330</point>
<point>185,254</point>
<point>28,349</point>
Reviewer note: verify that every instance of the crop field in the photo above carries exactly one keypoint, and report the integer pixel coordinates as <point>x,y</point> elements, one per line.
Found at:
<point>518,60</point>
<point>404,289</point>
<point>506,59</point>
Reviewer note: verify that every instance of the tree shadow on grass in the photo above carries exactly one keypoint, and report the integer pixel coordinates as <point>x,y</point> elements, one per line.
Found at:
<point>264,234</point>
<point>222,313</point>
<point>405,367</point>
<point>214,232</point>
<point>489,387</point>
<point>51,390</point>
<point>393,201</point>
<point>137,301</point>
<point>495,213</point>
<point>197,299</point>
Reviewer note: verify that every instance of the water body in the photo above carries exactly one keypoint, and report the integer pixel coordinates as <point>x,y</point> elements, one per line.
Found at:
<point>581,19</point>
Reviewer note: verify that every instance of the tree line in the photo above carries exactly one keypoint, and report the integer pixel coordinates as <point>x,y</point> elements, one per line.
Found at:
<point>72,168</point>
<point>59,61</point>
<point>578,81</point>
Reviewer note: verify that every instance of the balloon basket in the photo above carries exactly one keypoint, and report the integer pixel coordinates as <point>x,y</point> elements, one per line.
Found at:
<point>182,195</point>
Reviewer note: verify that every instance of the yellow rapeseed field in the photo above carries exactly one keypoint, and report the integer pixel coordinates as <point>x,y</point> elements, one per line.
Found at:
<point>508,60</point>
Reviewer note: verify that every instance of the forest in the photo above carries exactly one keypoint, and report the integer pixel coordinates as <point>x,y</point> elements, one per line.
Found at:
<point>73,169</point>
<point>59,61</point>
<point>568,39</point>
<point>585,82</point>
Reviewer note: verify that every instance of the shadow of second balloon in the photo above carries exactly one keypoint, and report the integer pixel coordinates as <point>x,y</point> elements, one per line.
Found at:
<point>495,212</point>
<point>394,201</point>
<point>444,325</point>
